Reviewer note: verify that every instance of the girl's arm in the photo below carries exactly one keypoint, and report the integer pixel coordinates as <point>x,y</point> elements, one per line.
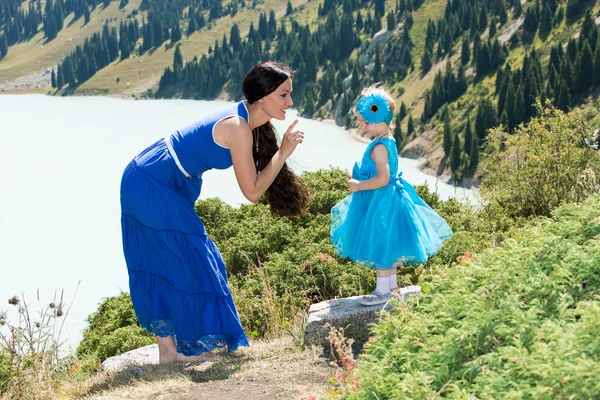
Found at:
<point>239,141</point>
<point>379,154</point>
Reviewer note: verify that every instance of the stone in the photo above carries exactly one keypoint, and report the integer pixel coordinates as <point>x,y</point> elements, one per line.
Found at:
<point>346,313</point>
<point>143,356</point>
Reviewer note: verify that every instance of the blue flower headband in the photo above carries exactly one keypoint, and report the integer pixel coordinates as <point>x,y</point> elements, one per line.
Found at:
<point>374,108</point>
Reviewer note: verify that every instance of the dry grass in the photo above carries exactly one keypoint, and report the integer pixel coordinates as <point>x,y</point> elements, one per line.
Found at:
<point>274,369</point>
<point>35,55</point>
<point>140,73</point>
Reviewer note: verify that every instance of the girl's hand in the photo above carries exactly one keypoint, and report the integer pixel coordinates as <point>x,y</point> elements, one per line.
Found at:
<point>290,140</point>
<point>353,185</point>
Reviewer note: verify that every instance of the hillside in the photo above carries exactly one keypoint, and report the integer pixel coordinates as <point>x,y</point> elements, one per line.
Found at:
<point>415,47</point>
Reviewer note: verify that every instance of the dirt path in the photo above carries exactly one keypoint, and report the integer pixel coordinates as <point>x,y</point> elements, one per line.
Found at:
<point>267,370</point>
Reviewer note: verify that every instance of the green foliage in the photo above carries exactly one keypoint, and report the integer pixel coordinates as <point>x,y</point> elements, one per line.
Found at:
<point>520,321</point>
<point>543,164</point>
<point>277,266</point>
<point>113,329</point>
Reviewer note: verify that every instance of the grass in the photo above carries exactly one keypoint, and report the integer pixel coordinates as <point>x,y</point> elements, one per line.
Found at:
<point>140,73</point>
<point>264,370</point>
<point>36,55</point>
<point>515,322</point>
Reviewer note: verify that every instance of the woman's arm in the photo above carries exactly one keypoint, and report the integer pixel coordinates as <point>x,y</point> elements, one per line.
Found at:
<point>380,156</point>
<point>239,140</point>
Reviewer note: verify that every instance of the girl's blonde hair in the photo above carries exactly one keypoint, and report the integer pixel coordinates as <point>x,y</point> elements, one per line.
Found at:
<point>380,89</point>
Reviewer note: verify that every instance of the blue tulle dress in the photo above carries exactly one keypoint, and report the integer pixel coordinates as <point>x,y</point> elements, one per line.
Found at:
<point>177,277</point>
<point>381,227</point>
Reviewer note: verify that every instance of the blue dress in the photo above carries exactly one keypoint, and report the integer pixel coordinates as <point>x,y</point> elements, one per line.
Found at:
<point>381,227</point>
<point>177,277</point>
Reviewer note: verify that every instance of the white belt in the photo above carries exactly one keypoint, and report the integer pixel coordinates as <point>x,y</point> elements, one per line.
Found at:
<point>169,143</point>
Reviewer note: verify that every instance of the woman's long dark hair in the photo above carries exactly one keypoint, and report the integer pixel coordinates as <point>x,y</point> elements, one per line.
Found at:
<point>287,196</point>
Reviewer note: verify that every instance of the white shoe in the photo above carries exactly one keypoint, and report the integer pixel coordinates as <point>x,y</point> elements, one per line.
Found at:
<point>375,298</point>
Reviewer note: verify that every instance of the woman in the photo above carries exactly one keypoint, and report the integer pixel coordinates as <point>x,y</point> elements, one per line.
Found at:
<point>177,277</point>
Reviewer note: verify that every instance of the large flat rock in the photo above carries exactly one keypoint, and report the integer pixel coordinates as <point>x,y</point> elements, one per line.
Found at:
<point>346,313</point>
<point>142,356</point>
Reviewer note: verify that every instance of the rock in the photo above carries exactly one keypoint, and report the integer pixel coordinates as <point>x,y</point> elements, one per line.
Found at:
<point>142,356</point>
<point>346,313</point>
<point>414,150</point>
<point>380,38</point>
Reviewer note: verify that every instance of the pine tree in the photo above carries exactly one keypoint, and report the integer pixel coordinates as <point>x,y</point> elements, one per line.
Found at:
<point>483,60</point>
<point>177,59</point>
<point>53,79</point>
<point>573,8</point>
<point>518,9</point>
<point>492,31</point>
<point>468,137</point>
<point>426,62</point>
<point>289,9</point>
<point>175,33</point>
<point>474,160</point>
<point>410,127</point>
<point>235,40</point>
<point>546,23</point>
<point>465,53</point>
<point>455,154</point>
<point>359,21</point>
<point>483,20</point>
<point>402,112</point>
<point>564,98</point>
<point>597,65</point>
<point>377,65</point>
<point>398,135</point>
<point>531,21</point>
<point>380,7</point>
<point>586,69</point>
<point>355,81</point>
<point>3,46</point>
<point>486,118</point>
<point>447,138</point>
<point>391,22</point>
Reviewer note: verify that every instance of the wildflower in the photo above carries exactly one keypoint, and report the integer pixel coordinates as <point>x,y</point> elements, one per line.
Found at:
<point>467,258</point>
<point>13,301</point>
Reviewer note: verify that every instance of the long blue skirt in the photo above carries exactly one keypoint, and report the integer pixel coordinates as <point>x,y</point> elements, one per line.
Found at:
<point>177,277</point>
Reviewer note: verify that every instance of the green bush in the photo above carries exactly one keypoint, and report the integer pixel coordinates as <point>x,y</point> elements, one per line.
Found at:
<point>521,321</point>
<point>544,164</point>
<point>278,266</point>
<point>113,329</point>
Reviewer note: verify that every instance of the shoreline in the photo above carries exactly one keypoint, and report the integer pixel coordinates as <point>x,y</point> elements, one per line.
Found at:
<point>351,131</point>
<point>445,177</point>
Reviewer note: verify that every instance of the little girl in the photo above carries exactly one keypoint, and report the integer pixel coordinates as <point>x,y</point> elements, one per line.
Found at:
<point>383,222</point>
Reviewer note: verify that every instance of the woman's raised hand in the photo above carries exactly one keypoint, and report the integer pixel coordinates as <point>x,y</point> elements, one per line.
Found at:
<point>290,140</point>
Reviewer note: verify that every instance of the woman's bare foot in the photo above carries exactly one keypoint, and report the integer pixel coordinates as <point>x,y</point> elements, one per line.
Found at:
<point>167,350</point>
<point>202,357</point>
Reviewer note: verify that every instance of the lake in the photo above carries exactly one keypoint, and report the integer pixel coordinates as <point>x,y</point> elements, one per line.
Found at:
<point>61,161</point>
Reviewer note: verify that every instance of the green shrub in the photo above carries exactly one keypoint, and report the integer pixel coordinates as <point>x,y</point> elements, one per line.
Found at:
<point>278,266</point>
<point>519,322</point>
<point>543,164</point>
<point>113,329</point>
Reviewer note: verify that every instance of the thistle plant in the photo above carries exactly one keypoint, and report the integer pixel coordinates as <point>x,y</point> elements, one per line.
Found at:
<point>29,347</point>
